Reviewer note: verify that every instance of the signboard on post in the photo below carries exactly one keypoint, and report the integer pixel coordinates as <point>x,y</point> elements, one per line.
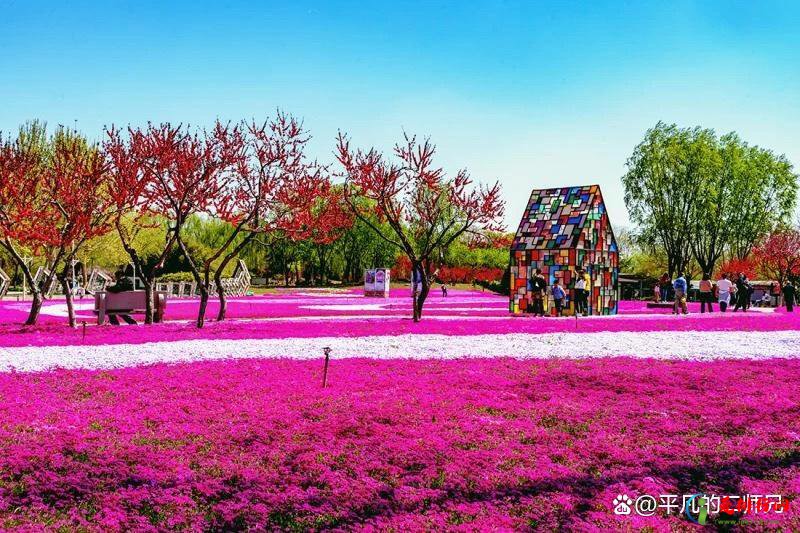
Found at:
<point>376,282</point>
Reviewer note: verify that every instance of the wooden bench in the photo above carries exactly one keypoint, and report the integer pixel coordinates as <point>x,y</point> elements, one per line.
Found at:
<point>127,303</point>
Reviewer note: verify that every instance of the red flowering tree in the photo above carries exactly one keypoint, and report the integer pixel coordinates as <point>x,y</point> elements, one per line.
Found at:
<point>129,179</point>
<point>734,265</point>
<point>167,172</point>
<point>135,159</point>
<point>252,176</point>
<point>325,220</point>
<point>76,183</point>
<point>401,268</point>
<point>196,179</point>
<point>53,194</point>
<point>270,186</point>
<point>22,202</point>
<point>425,210</point>
<point>778,255</point>
<point>468,274</point>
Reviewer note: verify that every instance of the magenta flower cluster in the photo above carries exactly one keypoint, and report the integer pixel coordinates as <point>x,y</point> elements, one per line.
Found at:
<point>491,444</point>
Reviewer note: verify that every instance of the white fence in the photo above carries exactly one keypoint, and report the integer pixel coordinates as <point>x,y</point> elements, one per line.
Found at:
<point>40,279</point>
<point>236,285</point>
<point>5,283</point>
<point>98,281</point>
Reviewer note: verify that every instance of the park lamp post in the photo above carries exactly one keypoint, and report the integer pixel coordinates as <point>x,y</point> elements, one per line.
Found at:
<point>327,351</point>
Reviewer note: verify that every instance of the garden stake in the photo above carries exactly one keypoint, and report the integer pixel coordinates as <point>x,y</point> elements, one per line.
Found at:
<point>327,351</point>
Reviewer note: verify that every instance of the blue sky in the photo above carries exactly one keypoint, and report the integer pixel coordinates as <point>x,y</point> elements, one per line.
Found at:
<point>531,94</point>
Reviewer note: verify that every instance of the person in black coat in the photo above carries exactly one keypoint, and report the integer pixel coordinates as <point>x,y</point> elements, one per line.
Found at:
<point>789,294</point>
<point>742,293</point>
<point>538,287</point>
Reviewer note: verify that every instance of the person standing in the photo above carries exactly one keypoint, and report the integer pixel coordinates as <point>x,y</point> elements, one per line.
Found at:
<point>776,294</point>
<point>706,294</point>
<point>742,293</point>
<point>724,292</point>
<point>580,293</point>
<point>549,303</point>
<point>538,287</point>
<point>558,297</point>
<point>750,291</point>
<point>789,294</point>
<point>679,286</point>
<point>665,286</point>
<point>587,289</point>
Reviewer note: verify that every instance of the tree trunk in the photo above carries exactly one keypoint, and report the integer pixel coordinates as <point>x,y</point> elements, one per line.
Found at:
<point>423,295</point>
<point>37,297</point>
<point>223,303</point>
<point>223,300</point>
<point>65,285</point>
<point>148,278</point>
<point>415,291</point>
<point>36,307</point>
<point>149,298</point>
<point>349,267</point>
<point>423,286</point>
<point>201,284</point>
<point>323,265</point>
<point>201,313</point>
<point>204,296</point>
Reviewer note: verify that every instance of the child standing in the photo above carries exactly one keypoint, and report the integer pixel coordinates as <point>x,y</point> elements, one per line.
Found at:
<point>558,297</point>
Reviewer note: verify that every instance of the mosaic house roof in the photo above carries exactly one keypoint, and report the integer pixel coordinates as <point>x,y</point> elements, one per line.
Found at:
<point>564,217</point>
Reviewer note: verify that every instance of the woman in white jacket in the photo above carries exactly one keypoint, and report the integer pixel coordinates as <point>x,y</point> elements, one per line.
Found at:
<point>724,287</point>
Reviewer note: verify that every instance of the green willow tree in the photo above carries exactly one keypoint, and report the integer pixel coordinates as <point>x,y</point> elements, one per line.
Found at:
<point>699,196</point>
<point>765,189</point>
<point>660,190</point>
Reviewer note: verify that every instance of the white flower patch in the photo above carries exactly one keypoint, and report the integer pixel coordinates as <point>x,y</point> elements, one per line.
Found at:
<point>60,309</point>
<point>690,345</point>
<point>346,307</point>
<point>322,294</point>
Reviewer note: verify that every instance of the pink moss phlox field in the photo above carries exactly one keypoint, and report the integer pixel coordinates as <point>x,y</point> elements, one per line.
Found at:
<point>301,313</point>
<point>409,445</point>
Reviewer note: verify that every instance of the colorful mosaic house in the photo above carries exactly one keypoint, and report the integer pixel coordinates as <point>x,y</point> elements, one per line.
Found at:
<point>561,231</point>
